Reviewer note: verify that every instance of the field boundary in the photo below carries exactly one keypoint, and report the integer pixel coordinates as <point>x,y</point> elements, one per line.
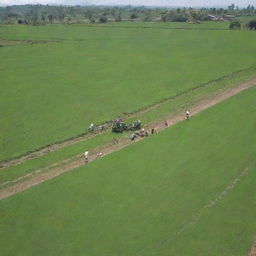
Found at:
<point>253,249</point>
<point>81,137</point>
<point>148,27</point>
<point>23,42</point>
<point>39,176</point>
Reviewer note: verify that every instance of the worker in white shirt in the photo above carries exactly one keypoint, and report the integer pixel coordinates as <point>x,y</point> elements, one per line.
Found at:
<point>187,114</point>
<point>86,156</point>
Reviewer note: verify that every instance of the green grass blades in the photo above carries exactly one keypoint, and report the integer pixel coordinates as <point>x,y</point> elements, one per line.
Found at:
<point>138,200</point>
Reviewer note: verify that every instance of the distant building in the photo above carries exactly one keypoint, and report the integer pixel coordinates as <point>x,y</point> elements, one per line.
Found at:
<point>229,17</point>
<point>212,17</point>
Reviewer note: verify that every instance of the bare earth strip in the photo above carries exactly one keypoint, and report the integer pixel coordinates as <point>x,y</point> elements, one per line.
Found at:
<point>82,137</point>
<point>56,169</point>
<point>253,250</point>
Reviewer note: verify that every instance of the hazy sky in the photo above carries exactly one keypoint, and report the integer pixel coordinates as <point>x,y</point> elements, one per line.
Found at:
<point>136,2</point>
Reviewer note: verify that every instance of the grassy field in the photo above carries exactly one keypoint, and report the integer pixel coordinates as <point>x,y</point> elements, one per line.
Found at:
<point>154,116</point>
<point>52,91</point>
<point>144,200</point>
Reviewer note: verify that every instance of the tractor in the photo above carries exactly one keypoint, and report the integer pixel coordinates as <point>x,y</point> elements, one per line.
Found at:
<point>119,126</point>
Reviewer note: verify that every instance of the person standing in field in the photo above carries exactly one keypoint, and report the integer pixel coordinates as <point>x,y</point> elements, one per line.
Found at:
<point>166,124</point>
<point>91,127</point>
<point>133,136</point>
<point>187,114</point>
<point>99,155</point>
<point>86,156</point>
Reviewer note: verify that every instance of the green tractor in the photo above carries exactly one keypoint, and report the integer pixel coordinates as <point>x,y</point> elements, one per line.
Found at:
<point>119,126</point>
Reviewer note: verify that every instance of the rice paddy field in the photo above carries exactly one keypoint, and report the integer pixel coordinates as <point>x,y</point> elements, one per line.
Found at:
<point>56,80</point>
<point>187,190</point>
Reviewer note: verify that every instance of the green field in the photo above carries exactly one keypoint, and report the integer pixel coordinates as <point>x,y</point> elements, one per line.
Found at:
<point>151,117</point>
<point>52,91</point>
<point>150,198</point>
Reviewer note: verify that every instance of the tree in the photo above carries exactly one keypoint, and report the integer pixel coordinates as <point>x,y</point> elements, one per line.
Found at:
<point>231,7</point>
<point>235,25</point>
<point>118,18</point>
<point>103,19</point>
<point>134,16</point>
<point>50,17</point>
<point>252,25</point>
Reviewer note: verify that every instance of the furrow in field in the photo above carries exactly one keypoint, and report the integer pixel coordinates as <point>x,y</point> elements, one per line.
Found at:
<point>83,137</point>
<point>56,169</point>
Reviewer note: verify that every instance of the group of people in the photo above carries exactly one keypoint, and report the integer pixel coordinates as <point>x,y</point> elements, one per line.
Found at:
<point>142,133</point>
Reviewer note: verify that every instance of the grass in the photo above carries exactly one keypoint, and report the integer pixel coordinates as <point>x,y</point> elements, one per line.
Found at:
<point>51,92</point>
<point>133,202</point>
<point>157,115</point>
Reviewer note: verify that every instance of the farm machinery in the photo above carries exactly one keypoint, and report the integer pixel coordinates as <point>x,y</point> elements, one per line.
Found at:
<point>119,126</point>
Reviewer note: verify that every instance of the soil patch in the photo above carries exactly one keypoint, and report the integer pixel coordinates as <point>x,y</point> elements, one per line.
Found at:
<point>253,250</point>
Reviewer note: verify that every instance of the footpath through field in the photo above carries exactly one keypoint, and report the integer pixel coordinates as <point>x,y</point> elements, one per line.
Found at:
<point>40,175</point>
<point>253,250</point>
<point>53,147</point>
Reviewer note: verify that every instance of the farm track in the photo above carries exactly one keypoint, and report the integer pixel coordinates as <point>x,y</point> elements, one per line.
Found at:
<point>82,137</point>
<point>253,250</point>
<point>54,170</point>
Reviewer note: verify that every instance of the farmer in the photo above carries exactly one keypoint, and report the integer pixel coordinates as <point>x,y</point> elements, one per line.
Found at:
<point>99,155</point>
<point>142,133</point>
<point>91,127</point>
<point>153,130</point>
<point>133,136</point>
<point>86,156</point>
<point>166,124</point>
<point>187,114</point>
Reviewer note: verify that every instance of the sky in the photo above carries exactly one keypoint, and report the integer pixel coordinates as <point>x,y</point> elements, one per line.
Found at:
<point>184,3</point>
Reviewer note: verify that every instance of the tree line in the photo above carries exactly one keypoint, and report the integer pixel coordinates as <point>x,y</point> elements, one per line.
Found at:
<point>46,14</point>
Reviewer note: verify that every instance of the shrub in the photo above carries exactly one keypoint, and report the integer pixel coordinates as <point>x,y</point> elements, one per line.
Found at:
<point>103,19</point>
<point>235,25</point>
<point>134,16</point>
<point>252,25</point>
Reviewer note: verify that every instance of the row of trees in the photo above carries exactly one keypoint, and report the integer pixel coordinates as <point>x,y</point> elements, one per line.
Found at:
<point>184,15</point>
<point>251,25</point>
<point>45,14</point>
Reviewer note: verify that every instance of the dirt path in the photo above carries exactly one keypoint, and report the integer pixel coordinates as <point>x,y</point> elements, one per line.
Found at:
<point>56,169</point>
<point>253,251</point>
<point>50,148</point>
